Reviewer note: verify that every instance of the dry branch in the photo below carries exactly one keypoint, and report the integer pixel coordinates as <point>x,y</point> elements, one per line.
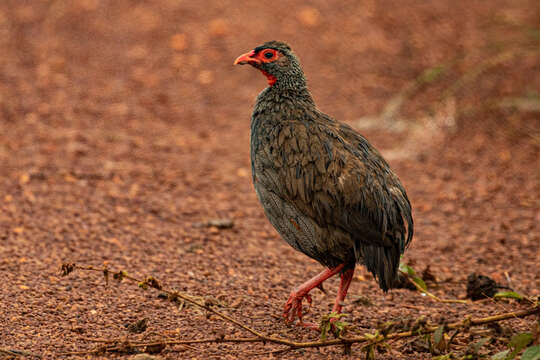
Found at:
<point>366,340</point>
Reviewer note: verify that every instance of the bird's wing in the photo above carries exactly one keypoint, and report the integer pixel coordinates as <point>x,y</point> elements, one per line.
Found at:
<point>333,175</point>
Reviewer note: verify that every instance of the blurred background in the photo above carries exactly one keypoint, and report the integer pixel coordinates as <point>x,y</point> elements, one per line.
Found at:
<point>124,127</point>
<point>103,63</point>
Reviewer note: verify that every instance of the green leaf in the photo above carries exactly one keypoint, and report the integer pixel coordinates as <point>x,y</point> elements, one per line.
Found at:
<point>370,352</point>
<point>532,353</point>
<point>420,283</point>
<point>501,355</point>
<point>520,341</point>
<point>404,268</point>
<point>438,335</point>
<point>508,295</point>
<point>326,324</point>
<point>474,348</point>
<point>325,327</point>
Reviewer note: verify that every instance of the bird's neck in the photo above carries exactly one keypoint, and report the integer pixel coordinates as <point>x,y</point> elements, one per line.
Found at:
<point>292,80</point>
<point>286,99</point>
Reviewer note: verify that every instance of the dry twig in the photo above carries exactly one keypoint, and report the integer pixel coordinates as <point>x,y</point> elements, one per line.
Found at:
<point>14,352</point>
<point>366,340</point>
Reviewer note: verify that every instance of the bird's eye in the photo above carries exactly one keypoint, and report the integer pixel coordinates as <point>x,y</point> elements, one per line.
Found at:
<point>268,54</point>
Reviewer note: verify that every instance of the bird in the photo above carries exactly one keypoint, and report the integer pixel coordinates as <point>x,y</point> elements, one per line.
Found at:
<point>326,190</point>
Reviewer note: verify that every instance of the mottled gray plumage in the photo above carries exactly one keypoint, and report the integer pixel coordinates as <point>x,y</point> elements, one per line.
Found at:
<point>326,190</point>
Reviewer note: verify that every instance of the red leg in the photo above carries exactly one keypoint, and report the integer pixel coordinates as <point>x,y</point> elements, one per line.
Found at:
<point>346,278</point>
<point>295,299</point>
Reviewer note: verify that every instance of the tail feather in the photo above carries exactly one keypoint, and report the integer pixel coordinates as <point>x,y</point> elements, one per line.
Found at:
<point>382,262</point>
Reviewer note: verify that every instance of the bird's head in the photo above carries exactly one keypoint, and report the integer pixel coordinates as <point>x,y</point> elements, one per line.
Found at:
<point>277,62</point>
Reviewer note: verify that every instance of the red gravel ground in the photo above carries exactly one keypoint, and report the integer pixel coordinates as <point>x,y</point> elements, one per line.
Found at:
<point>124,126</point>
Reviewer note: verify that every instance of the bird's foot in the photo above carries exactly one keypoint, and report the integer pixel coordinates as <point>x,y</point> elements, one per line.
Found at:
<point>293,307</point>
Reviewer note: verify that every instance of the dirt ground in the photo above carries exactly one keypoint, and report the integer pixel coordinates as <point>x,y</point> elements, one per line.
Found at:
<point>124,126</point>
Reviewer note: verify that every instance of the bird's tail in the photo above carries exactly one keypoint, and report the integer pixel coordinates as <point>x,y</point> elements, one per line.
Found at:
<point>382,262</point>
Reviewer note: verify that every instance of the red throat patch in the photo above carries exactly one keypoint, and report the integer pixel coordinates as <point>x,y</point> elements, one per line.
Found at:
<point>271,78</point>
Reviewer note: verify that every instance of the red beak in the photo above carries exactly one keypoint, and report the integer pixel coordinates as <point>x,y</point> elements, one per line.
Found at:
<point>247,58</point>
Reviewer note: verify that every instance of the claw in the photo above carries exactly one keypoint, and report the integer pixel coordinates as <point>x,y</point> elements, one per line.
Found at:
<point>299,311</point>
<point>310,302</point>
<point>293,307</point>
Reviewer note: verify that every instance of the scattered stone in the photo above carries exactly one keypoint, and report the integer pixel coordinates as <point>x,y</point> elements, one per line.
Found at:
<point>309,16</point>
<point>362,300</point>
<point>480,287</point>
<point>404,282</point>
<point>145,357</point>
<point>224,223</point>
<point>178,42</point>
<point>138,326</point>
<point>155,349</point>
<point>218,28</point>
<point>427,275</point>
<point>206,77</point>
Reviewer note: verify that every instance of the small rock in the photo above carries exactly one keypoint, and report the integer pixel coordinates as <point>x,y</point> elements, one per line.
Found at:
<point>403,282</point>
<point>145,357</point>
<point>154,349</point>
<point>221,223</point>
<point>216,223</point>
<point>362,300</point>
<point>138,326</point>
<point>309,16</point>
<point>427,275</point>
<point>178,42</point>
<point>480,287</point>
<point>218,28</point>
<point>242,172</point>
<point>206,77</point>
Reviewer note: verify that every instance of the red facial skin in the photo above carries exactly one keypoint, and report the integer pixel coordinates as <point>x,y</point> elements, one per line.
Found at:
<point>263,56</point>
